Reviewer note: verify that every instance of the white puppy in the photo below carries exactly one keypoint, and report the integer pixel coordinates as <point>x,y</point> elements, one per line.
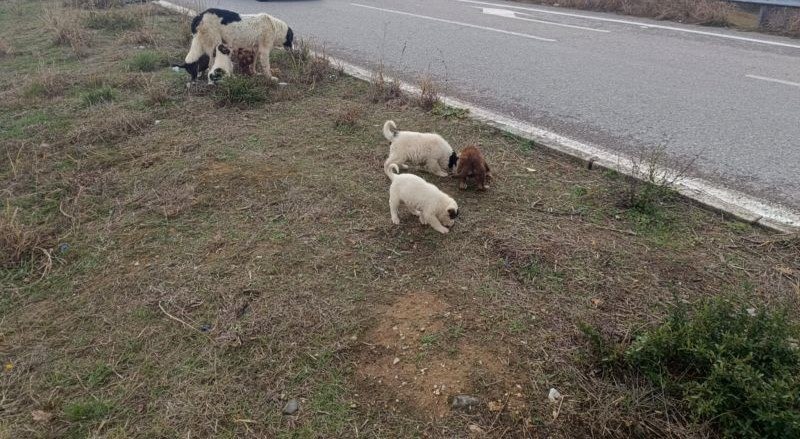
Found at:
<point>432,206</point>
<point>427,149</point>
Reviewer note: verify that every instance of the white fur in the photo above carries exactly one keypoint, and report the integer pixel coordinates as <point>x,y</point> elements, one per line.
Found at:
<point>222,62</point>
<point>261,31</point>
<point>427,149</point>
<point>432,206</point>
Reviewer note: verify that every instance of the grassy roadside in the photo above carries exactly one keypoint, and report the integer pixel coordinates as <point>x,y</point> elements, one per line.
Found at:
<point>782,21</point>
<point>183,262</point>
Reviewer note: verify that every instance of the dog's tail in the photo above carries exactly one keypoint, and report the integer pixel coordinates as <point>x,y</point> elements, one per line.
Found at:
<point>392,170</point>
<point>389,130</point>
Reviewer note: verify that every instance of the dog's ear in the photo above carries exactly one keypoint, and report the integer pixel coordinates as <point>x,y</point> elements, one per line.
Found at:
<point>453,160</point>
<point>453,213</point>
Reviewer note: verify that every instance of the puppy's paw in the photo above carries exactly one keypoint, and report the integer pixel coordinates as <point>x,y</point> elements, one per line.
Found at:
<point>396,221</point>
<point>444,231</point>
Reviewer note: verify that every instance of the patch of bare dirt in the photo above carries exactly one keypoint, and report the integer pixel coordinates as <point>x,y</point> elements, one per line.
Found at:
<point>414,361</point>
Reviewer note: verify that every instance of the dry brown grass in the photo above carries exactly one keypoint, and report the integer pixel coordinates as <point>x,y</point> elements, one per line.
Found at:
<point>109,123</point>
<point>93,4</point>
<point>305,64</point>
<point>708,12</point>
<point>19,243</point>
<point>428,93</point>
<point>383,90</point>
<point>144,36</point>
<point>157,92</point>
<point>348,117</point>
<point>67,29</point>
<point>5,48</point>
<point>785,21</point>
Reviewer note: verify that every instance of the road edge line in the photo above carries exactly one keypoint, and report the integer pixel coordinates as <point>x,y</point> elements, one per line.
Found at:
<point>699,190</point>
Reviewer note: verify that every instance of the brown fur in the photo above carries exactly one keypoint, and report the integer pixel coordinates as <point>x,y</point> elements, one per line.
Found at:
<point>471,165</point>
<point>244,61</point>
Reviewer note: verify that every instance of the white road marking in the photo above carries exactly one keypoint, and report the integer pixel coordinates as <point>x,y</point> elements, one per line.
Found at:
<point>458,23</point>
<point>511,14</point>
<point>638,23</point>
<point>779,81</point>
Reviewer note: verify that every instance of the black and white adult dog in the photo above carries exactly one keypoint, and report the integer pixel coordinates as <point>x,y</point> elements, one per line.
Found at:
<point>213,27</point>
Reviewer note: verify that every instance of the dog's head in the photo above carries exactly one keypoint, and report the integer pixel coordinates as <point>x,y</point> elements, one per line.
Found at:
<point>223,66</point>
<point>450,214</point>
<point>453,161</point>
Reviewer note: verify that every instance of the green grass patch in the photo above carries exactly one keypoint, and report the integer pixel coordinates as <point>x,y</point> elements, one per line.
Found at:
<point>100,95</point>
<point>98,375</point>
<point>448,112</point>
<point>87,410</point>
<point>147,61</point>
<point>242,90</point>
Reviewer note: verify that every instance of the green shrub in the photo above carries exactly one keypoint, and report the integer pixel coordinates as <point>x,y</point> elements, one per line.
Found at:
<point>236,90</point>
<point>147,61</point>
<point>733,367</point>
<point>99,95</point>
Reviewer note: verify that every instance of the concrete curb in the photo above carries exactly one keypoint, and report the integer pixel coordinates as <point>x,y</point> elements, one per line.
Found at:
<point>736,204</point>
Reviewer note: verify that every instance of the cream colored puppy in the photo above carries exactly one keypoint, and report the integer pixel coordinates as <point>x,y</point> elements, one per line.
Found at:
<point>427,149</point>
<point>432,206</point>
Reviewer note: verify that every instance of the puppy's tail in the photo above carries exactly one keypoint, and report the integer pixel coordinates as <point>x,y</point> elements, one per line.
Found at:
<point>389,130</point>
<point>392,170</point>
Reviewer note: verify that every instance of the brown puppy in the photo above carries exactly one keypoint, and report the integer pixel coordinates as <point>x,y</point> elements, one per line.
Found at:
<point>244,60</point>
<point>472,165</point>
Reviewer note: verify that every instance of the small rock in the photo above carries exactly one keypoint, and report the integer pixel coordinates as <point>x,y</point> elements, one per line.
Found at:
<point>41,416</point>
<point>475,429</point>
<point>291,407</point>
<point>395,361</point>
<point>464,401</point>
<point>63,247</point>
<point>554,395</point>
<point>157,122</point>
<point>205,327</point>
<point>751,312</point>
<point>353,337</point>
<point>495,406</point>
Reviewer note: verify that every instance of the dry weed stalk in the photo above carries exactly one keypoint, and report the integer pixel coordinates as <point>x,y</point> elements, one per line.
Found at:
<point>428,93</point>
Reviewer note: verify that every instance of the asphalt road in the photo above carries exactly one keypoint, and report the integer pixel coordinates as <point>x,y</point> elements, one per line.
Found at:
<point>730,98</point>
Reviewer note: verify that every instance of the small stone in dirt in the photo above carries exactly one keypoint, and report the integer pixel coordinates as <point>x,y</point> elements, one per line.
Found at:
<point>395,361</point>
<point>475,429</point>
<point>495,406</point>
<point>554,395</point>
<point>751,312</point>
<point>291,407</point>
<point>205,327</point>
<point>353,337</point>
<point>464,401</point>
<point>63,247</point>
<point>41,416</point>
